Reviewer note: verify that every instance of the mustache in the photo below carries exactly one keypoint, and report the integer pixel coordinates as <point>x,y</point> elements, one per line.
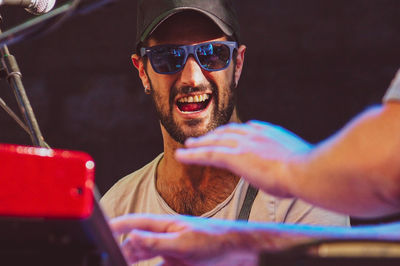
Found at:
<point>190,89</point>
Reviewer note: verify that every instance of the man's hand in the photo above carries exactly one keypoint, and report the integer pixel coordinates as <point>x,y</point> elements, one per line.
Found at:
<point>260,152</point>
<point>182,240</point>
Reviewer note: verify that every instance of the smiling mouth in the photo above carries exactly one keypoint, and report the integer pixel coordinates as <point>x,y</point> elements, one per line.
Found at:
<point>196,103</point>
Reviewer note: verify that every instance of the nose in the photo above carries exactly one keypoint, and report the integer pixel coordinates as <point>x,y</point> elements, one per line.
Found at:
<point>192,74</point>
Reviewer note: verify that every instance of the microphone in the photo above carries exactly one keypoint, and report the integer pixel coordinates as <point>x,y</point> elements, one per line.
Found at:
<point>36,7</point>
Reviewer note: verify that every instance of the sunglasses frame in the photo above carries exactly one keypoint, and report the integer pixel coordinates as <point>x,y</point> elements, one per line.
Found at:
<point>189,50</point>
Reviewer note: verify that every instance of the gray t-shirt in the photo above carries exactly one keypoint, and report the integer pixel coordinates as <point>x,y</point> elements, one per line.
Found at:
<point>393,92</point>
<point>137,193</point>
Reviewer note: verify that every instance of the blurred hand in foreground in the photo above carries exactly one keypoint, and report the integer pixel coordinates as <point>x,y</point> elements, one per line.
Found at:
<point>260,152</point>
<point>183,240</point>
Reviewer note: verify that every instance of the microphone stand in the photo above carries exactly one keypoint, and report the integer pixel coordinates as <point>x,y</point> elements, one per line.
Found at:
<point>9,68</point>
<point>10,71</point>
<point>47,22</point>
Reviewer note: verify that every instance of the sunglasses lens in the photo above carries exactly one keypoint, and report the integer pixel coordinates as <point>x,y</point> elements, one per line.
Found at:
<point>213,56</point>
<point>167,59</point>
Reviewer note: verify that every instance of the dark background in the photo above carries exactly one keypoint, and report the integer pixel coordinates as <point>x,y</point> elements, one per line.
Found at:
<point>310,66</point>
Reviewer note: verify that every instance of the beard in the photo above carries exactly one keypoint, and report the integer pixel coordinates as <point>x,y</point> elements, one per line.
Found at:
<point>221,114</point>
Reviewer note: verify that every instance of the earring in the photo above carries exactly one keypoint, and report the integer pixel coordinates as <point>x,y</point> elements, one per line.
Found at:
<point>147,90</point>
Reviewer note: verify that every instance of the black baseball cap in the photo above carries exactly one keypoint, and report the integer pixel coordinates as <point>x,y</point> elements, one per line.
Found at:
<point>151,13</point>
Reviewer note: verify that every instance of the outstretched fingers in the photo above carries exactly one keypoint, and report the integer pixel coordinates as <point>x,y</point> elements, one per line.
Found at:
<point>214,140</point>
<point>212,156</point>
<point>260,125</point>
<point>219,148</point>
<point>231,134</point>
<point>148,236</point>
<point>145,222</point>
<point>231,129</point>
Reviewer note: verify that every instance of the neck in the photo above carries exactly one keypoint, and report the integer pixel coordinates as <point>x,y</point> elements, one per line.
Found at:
<point>191,189</point>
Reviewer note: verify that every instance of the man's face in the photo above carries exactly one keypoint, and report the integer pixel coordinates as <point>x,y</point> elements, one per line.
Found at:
<point>193,101</point>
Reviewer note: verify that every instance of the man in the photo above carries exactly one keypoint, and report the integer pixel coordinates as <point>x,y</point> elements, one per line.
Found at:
<point>189,61</point>
<point>361,162</point>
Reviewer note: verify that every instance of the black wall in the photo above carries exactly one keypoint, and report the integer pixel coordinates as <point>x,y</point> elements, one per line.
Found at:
<point>310,66</point>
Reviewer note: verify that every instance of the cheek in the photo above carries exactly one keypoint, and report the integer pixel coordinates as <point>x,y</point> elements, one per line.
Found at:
<point>224,83</point>
<point>161,87</point>
<point>161,84</point>
<point>158,80</point>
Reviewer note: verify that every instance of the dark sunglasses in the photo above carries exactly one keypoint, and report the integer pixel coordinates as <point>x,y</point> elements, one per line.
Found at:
<point>170,59</point>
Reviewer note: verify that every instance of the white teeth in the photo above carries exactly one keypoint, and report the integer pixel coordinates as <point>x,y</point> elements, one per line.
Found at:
<point>195,99</point>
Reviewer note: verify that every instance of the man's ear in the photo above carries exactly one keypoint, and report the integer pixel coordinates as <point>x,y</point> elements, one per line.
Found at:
<point>139,64</point>
<point>239,62</point>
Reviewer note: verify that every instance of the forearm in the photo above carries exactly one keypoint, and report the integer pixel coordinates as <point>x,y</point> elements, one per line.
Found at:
<point>278,237</point>
<point>357,171</point>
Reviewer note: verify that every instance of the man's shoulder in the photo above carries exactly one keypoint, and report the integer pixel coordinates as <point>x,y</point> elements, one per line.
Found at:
<point>294,210</point>
<point>122,191</point>
<point>298,211</point>
<point>393,92</point>
<point>135,178</point>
